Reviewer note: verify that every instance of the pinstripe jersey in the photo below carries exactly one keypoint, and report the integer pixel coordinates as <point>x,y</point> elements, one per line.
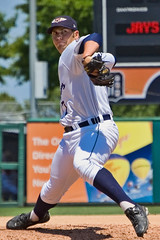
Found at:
<point>80,98</point>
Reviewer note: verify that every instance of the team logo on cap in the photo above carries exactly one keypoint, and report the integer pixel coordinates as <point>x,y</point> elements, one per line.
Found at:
<point>57,20</point>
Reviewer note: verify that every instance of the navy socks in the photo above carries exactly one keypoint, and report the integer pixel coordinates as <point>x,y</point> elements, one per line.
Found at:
<point>106,183</point>
<point>41,207</point>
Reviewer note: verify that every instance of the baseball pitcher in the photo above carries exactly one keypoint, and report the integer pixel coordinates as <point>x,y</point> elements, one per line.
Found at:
<point>90,133</point>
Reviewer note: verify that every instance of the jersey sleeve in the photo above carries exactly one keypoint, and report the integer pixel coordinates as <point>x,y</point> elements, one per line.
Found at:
<point>96,37</point>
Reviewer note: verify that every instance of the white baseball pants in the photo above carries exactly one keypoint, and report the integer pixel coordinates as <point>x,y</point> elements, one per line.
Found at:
<point>81,153</point>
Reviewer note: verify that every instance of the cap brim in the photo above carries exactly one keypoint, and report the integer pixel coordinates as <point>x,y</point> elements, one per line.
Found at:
<point>55,25</point>
<point>49,31</point>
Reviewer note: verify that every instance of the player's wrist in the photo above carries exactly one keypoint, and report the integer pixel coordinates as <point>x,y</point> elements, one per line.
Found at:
<point>86,59</point>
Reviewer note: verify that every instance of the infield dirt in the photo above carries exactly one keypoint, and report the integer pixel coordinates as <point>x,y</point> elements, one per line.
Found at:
<point>99,227</point>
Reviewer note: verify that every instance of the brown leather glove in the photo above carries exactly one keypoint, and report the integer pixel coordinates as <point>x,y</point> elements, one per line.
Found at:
<point>98,72</point>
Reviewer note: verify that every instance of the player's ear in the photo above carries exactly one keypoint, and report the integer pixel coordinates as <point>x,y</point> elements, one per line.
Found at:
<point>76,34</point>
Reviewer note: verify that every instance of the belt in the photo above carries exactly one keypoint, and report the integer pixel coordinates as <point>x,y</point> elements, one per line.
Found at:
<point>86,123</point>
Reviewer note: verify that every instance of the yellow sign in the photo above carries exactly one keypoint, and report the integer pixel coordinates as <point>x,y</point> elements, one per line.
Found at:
<point>133,136</point>
<point>120,169</point>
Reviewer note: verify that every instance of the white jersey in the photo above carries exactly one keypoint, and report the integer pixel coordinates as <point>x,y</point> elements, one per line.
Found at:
<point>83,152</point>
<point>80,98</point>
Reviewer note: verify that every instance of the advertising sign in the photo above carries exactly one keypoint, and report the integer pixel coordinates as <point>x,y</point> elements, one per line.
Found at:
<point>130,163</point>
<point>131,32</point>
<point>136,85</point>
<point>132,29</point>
<point>42,142</point>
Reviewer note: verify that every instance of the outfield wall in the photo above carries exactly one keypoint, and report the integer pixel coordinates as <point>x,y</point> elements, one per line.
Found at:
<point>134,163</point>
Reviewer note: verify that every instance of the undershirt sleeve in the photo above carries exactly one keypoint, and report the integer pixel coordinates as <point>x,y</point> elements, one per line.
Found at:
<point>96,37</point>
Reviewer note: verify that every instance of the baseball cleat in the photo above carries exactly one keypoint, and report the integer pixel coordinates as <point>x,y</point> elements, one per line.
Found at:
<point>138,217</point>
<point>23,221</point>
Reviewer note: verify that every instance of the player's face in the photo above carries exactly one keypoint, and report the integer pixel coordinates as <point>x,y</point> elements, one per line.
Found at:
<point>62,37</point>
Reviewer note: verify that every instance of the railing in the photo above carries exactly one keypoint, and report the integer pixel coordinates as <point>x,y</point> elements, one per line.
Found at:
<point>12,154</point>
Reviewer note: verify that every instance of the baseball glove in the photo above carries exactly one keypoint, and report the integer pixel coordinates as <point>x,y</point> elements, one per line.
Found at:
<point>98,72</point>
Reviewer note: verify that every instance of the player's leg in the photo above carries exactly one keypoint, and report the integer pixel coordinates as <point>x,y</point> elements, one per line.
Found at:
<point>53,190</point>
<point>62,176</point>
<point>91,154</point>
<point>93,151</point>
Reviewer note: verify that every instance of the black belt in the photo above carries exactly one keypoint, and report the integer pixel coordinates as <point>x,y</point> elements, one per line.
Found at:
<point>86,123</point>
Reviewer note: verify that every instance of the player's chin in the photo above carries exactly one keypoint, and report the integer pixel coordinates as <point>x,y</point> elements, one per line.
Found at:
<point>61,47</point>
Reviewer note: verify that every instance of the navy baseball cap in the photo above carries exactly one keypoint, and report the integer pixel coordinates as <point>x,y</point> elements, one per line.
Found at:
<point>63,21</point>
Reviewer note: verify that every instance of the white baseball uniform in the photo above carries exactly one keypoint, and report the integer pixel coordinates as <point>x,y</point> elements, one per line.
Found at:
<point>90,135</point>
<point>83,151</point>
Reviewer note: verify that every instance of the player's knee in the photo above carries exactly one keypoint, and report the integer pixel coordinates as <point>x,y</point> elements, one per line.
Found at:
<point>86,169</point>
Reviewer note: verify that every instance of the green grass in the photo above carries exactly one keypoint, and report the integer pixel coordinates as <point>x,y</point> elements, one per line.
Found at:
<point>74,210</point>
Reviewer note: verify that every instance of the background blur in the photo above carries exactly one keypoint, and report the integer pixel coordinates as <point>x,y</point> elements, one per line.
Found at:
<point>15,83</point>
